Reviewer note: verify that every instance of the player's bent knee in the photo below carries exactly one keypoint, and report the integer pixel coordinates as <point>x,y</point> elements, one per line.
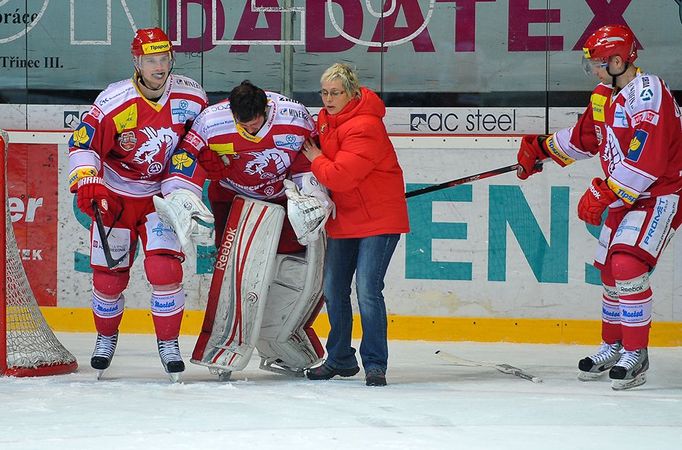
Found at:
<point>109,283</point>
<point>163,270</point>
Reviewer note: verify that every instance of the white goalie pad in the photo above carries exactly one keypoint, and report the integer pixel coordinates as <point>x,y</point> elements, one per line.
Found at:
<point>181,210</point>
<point>308,207</point>
<point>287,341</point>
<point>243,271</point>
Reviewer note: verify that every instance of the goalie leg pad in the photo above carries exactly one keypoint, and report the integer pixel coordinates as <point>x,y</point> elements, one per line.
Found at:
<point>287,341</point>
<point>242,274</point>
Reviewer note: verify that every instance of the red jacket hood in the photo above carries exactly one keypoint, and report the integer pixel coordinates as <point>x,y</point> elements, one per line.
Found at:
<point>369,103</point>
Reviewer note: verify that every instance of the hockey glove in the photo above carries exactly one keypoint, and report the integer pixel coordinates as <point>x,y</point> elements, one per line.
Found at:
<point>90,190</point>
<point>594,201</point>
<point>216,166</point>
<point>307,213</point>
<point>531,151</point>
<point>183,210</point>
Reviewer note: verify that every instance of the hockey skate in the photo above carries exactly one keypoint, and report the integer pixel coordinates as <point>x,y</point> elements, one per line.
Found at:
<point>169,352</point>
<point>630,370</point>
<point>105,346</point>
<point>592,367</point>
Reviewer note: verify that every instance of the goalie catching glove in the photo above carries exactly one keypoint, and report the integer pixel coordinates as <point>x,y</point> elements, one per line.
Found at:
<point>181,210</point>
<point>308,208</point>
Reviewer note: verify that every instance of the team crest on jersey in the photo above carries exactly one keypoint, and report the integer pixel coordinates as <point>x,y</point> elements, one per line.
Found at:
<point>637,145</point>
<point>288,141</point>
<point>82,136</point>
<point>268,163</point>
<point>183,163</point>
<point>159,141</point>
<point>127,140</point>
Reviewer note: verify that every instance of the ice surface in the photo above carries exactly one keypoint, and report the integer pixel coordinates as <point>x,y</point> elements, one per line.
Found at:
<point>429,404</point>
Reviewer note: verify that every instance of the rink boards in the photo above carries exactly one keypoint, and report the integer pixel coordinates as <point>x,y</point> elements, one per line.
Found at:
<point>494,260</point>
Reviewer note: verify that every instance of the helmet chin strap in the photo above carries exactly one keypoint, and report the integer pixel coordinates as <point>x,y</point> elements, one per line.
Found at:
<point>614,76</point>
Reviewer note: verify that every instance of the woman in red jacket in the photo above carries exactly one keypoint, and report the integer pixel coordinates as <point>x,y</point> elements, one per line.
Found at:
<point>359,166</point>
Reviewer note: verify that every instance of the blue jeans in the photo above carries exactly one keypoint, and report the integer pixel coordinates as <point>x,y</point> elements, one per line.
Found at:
<point>368,259</point>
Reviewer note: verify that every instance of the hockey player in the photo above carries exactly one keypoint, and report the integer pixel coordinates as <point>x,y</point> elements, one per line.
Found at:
<point>119,158</point>
<point>633,123</point>
<point>249,145</point>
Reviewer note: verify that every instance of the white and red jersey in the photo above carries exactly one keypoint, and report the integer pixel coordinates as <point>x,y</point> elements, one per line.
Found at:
<point>258,164</point>
<point>128,139</point>
<point>637,134</point>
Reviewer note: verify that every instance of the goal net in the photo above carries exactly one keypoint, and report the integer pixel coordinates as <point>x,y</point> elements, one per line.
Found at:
<point>28,347</point>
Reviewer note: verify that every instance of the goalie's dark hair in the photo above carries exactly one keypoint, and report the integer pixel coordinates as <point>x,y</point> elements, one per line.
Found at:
<point>248,101</point>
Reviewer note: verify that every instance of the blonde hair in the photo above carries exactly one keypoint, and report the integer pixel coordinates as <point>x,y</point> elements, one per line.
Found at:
<point>345,73</point>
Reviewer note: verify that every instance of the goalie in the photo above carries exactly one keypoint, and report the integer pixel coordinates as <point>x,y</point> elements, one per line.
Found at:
<point>267,282</point>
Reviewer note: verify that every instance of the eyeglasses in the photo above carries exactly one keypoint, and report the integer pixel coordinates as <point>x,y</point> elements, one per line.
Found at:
<point>332,94</point>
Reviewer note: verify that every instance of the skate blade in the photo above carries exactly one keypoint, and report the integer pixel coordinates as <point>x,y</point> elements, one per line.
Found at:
<point>224,375</point>
<point>100,373</point>
<point>590,376</point>
<point>175,377</point>
<point>621,385</point>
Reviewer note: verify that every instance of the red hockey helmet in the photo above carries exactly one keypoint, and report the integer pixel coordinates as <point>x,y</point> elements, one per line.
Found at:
<point>611,40</point>
<point>148,41</point>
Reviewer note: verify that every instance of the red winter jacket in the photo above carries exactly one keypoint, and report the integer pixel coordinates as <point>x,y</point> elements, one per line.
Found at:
<point>360,167</point>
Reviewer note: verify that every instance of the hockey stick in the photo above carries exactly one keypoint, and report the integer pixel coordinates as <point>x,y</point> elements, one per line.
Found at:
<point>104,237</point>
<point>504,368</point>
<point>469,179</point>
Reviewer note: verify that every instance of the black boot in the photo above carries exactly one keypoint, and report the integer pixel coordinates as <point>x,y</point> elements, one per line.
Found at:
<point>325,372</point>
<point>375,377</point>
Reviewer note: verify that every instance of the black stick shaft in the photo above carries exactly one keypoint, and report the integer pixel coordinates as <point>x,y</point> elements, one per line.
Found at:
<point>103,237</point>
<point>469,179</point>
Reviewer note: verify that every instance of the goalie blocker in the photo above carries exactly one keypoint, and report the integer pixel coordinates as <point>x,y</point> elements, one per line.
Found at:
<point>261,299</point>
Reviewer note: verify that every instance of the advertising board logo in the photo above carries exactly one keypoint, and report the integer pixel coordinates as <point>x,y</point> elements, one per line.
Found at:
<point>72,119</point>
<point>436,122</point>
<point>417,122</point>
